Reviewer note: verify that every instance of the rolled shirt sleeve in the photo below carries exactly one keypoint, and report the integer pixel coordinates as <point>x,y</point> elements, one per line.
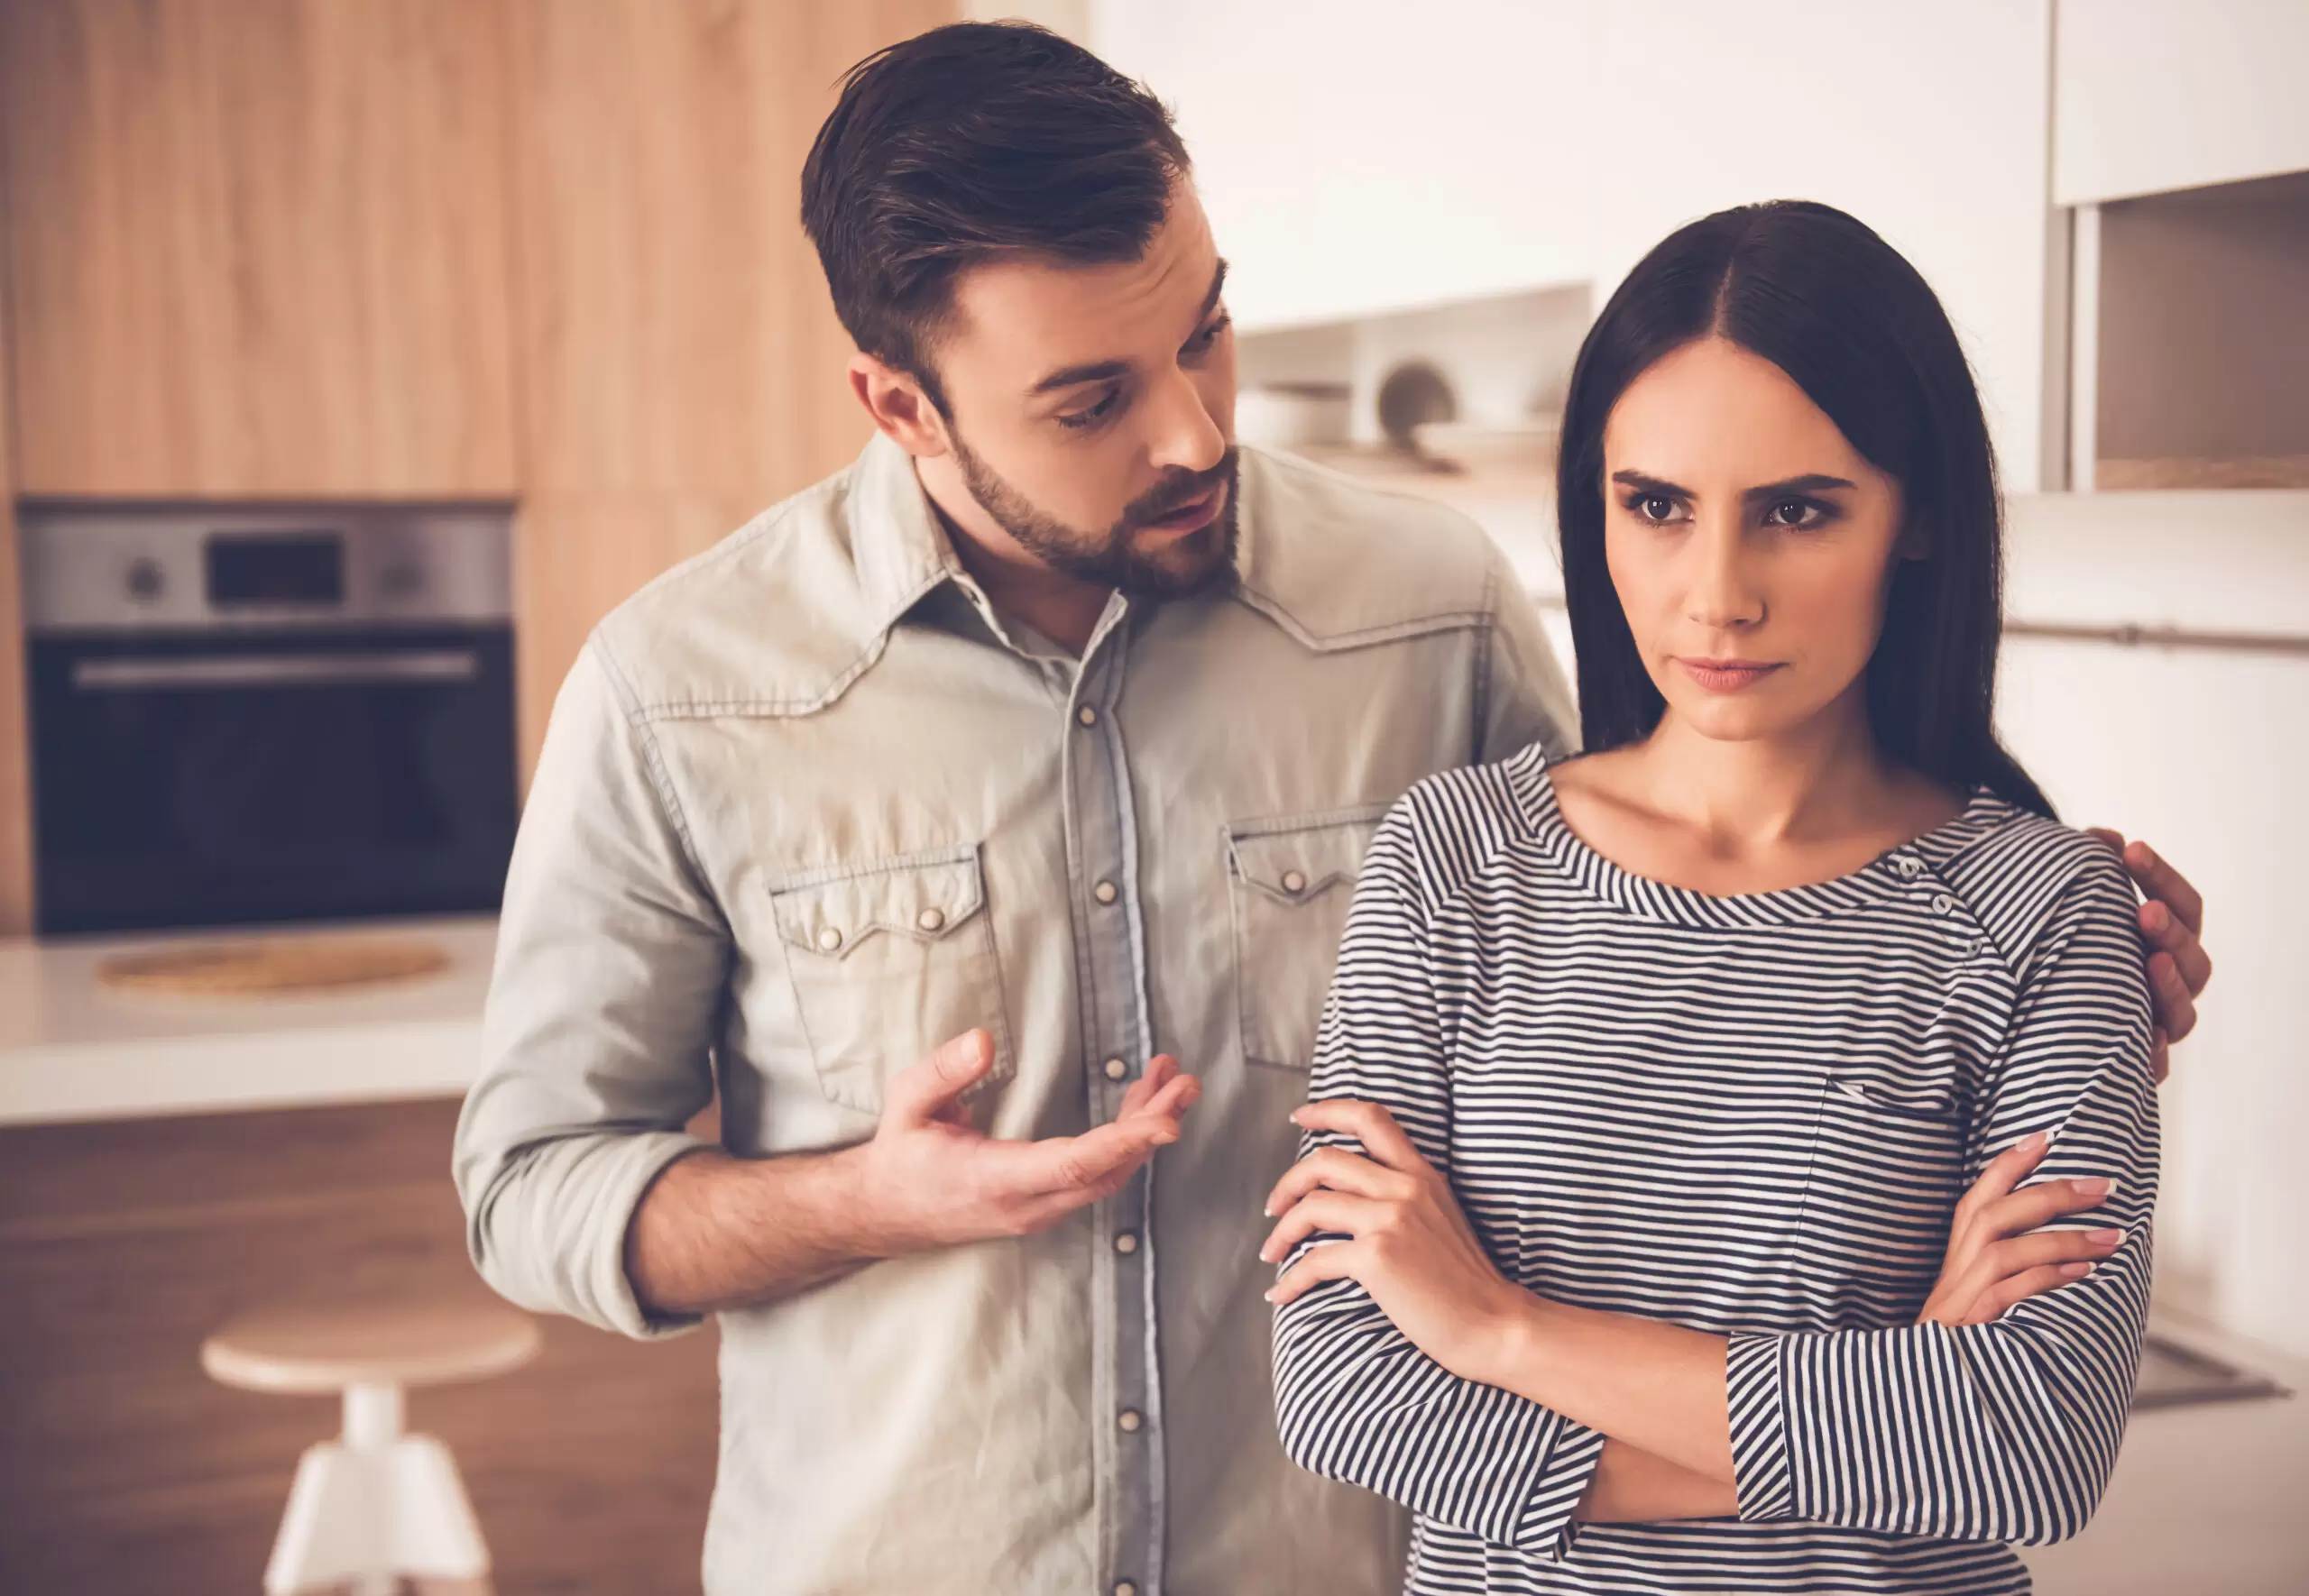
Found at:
<point>611,963</point>
<point>1356,1401</point>
<point>2005,1431</point>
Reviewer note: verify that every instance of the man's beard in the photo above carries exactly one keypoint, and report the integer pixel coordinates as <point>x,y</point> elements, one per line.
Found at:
<point>1199,559</point>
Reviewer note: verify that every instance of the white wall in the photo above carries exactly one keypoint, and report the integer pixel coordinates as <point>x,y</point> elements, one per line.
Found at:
<point>1929,123</point>
<point>1362,155</point>
<point>2206,754</point>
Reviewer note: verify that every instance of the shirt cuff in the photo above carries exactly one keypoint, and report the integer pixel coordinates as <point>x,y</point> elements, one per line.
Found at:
<point>1565,1465</point>
<point>639,1160</point>
<point>1763,1477</point>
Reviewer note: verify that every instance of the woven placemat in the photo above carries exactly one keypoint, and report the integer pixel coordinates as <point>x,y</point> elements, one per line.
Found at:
<point>285,966</point>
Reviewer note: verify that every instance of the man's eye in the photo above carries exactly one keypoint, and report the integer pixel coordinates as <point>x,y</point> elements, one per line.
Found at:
<point>1203,339</point>
<point>1097,413</point>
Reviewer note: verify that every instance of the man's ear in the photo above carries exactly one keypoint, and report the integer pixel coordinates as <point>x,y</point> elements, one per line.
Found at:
<point>900,408</point>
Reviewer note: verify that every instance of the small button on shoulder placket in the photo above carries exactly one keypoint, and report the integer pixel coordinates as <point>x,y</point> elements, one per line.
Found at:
<point>1941,903</point>
<point>1908,867</point>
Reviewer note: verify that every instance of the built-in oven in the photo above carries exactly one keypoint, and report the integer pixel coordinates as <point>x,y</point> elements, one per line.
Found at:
<point>267,715</point>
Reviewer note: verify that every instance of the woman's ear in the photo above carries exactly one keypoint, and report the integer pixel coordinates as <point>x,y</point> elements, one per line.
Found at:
<point>1915,541</point>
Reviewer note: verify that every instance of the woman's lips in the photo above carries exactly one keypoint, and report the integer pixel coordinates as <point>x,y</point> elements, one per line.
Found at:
<point>1726,675</point>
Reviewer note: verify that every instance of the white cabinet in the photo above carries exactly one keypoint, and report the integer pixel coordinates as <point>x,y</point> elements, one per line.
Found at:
<point>2156,95</point>
<point>1927,123</point>
<point>1362,156</point>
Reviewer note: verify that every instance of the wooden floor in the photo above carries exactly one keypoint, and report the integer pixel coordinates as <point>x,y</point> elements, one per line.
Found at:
<point>125,1471</point>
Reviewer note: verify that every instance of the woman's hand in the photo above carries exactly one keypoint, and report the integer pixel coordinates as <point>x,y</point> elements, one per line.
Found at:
<point>1993,1259</point>
<point>1406,1241</point>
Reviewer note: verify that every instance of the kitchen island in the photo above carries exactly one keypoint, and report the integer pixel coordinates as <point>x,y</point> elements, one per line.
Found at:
<point>167,1162</point>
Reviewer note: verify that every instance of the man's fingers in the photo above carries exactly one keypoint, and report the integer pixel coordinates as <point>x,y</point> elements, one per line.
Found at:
<point>1159,1071</point>
<point>2160,1055</point>
<point>1070,1163</point>
<point>2168,885</point>
<point>2177,1009</point>
<point>1367,1122</point>
<point>2168,933</point>
<point>916,1093</point>
<point>1325,1260</point>
<point>1332,1166</point>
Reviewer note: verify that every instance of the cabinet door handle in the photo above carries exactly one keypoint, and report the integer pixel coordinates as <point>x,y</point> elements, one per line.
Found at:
<point>181,673</point>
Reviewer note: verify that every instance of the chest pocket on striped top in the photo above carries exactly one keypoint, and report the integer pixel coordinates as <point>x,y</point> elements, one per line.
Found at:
<point>1290,880</point>
<point>1887,1166</point>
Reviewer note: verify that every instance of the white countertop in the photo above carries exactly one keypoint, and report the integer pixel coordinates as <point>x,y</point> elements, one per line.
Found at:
<point>71,1049</point>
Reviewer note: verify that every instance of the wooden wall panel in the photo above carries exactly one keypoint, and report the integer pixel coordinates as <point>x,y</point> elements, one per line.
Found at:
<point>681,365</point>
<point>123,1244</point>
<point>259,249</point>
<point>15,774</point>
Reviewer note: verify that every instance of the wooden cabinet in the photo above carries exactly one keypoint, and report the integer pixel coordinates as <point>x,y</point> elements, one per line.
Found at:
<point>125,1469</point>
<point>681,364</point>
<point>15,784</point>
<point>258,249</point>
<point>2150,96</point>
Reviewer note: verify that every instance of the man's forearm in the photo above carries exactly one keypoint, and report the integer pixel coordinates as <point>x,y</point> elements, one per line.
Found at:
<point>715,1232</point>
<point>1632,1486</point>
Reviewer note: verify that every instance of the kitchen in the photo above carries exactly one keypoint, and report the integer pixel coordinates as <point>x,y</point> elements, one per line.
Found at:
<point>395,343</point>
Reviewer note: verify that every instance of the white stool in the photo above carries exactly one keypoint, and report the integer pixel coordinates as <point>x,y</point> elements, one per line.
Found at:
<point>377,1504</point>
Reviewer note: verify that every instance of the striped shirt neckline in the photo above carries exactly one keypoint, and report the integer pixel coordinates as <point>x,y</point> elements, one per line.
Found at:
<point>1891,873</point>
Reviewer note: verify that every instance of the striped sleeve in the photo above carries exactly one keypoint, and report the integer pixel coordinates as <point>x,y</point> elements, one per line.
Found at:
<point>1356,1402</point>
<point>2005,1431</point>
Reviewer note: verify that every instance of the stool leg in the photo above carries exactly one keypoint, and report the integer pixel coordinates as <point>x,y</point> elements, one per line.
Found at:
<point>330,1532</point>
<point>434,1532</point>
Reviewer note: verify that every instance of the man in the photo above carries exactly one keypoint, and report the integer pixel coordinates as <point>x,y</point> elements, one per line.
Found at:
<point>928,817</point>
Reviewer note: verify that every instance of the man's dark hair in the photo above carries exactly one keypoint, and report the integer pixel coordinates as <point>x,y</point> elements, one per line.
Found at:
<point>968,141</point>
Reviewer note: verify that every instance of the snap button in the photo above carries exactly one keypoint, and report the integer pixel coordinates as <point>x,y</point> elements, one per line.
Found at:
<point>1129,1420</point>
<point>1117,1069</point>
<point>1087,715</point>
<point>1127,1243</point>
<point>1104,892</point>
<point>1125,1588</point>
<point>829,940</point>
<point>931,920</point>
<point>1292,881</point>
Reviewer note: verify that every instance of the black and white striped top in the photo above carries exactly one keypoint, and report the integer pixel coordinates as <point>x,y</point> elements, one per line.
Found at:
<point>1752,1117</point>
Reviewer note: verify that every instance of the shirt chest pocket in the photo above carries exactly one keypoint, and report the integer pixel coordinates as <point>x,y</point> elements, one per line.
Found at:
<point>1291,881</point>
<point>888,960</point>
<point>1887,1166</point>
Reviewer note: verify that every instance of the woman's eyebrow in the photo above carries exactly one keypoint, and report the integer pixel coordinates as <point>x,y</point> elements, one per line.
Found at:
<point>1813,484</point>
<point>1649,484</point>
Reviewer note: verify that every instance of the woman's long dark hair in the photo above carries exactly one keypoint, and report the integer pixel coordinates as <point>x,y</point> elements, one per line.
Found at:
<point>1821,297</point>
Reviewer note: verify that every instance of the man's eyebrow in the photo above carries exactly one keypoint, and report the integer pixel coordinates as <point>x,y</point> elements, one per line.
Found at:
<point>1106,371</point>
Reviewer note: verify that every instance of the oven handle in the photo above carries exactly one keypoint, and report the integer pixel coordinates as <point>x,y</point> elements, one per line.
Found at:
<point>274,670</point>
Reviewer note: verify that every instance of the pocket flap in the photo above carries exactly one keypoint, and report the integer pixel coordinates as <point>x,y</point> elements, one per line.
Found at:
<point>1294,860</point>
<point>925,899</point>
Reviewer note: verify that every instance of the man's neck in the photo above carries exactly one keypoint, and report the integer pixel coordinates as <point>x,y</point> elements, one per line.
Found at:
<point>1020,586</point>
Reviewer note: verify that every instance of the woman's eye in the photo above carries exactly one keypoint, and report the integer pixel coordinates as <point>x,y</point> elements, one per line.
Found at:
<point>1097,413</point>
<point>1792,512</point>
<point>1656,506</point>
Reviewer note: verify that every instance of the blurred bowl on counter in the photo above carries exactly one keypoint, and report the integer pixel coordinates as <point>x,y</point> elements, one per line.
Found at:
<point>1479,445</point>
<point>1293,414</point>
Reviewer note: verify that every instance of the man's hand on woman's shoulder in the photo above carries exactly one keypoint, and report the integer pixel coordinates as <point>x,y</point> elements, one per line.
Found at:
<point>2172,925</point>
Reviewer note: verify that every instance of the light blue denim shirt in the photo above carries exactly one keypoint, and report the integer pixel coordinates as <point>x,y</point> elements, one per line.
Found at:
<point>807,809</point>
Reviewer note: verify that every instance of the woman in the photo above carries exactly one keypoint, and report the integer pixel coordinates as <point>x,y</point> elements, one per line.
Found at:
<point>1652,1084</point>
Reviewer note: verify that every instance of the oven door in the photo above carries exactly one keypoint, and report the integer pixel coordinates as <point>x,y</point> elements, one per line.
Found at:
<point>219,779</point>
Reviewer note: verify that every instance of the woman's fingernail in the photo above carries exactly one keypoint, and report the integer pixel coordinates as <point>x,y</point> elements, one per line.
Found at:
<point>1268,1294</point>
<point>2036,1140</point>
<point>2105,1238</point>
<point>2095,1188</point>
<point>2076,1271</point>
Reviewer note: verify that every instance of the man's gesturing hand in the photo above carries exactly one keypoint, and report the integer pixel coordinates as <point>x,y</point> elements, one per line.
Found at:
<point>931,1178</point>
